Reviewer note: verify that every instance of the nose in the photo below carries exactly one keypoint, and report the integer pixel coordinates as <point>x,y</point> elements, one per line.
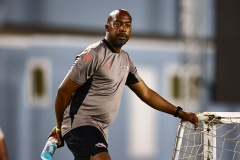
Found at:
<point>123,28</point>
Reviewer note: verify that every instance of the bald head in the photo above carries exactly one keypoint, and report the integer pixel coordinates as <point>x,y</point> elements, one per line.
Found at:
<point>118,28</point>
<point>114,14</point>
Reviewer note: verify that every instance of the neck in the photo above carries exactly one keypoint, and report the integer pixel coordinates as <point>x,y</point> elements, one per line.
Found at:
<point>117,49</point>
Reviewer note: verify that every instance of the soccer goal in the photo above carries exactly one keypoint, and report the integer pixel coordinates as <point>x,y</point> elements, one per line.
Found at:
<point>216,138</point>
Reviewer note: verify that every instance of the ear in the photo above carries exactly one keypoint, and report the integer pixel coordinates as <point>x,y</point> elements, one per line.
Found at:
<point>106,27</point>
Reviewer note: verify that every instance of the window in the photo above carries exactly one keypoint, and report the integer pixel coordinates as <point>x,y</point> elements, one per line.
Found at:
<point>182,85</point>
<point>38,82</point>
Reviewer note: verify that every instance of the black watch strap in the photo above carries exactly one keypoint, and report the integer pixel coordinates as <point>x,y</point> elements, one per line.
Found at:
<point>177,111</point>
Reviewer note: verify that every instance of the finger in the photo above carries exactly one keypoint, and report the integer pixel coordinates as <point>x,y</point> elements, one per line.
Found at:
<point>60,139</point>
<point>196,123</point>
<point>50,135</point>
<point>60,143</point>
<point>196,127</point>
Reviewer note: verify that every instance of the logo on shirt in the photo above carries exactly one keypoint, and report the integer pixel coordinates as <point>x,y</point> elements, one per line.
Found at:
<point>100,145</point>
<point>86,57</point>
<point>108,65</point>
<point>124,67</point>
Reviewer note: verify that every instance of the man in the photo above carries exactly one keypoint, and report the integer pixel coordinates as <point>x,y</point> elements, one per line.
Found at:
<point>88,98</point>
<point>3,147</point>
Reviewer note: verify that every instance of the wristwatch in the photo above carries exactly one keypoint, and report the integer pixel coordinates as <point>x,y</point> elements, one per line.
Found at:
<point>177,111</point>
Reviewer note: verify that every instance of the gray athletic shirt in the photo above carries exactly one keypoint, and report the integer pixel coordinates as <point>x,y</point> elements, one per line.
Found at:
<point>102,74</point>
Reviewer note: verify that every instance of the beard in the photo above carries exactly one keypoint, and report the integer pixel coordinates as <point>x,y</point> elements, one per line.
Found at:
<point>119,43</point>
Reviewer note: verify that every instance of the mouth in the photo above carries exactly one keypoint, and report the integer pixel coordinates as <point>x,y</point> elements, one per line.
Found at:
<point>122,36</point>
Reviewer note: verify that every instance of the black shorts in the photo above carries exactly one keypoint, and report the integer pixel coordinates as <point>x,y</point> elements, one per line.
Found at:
<point>85,141</point>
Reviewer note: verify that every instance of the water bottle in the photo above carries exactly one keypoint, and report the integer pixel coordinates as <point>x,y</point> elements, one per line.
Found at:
<point>49,148</point>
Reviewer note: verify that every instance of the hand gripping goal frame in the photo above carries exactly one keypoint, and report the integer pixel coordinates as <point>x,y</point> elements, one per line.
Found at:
<point>216,138</point>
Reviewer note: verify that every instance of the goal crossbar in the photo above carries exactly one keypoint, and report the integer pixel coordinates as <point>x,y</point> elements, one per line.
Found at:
<point>219,117</point>
<point>216,138</point>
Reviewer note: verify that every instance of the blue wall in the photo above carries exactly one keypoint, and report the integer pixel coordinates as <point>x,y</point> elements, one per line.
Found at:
<point>158,17</point>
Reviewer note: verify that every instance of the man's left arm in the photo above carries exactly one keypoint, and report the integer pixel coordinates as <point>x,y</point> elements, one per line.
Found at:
<point>157,102</point>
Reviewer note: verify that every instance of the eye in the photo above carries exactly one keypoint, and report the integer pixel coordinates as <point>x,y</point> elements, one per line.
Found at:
<point>128,25</point>
<point>117,23</point>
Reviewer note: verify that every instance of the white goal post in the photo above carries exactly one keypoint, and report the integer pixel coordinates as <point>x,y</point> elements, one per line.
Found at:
<point>216,138</point>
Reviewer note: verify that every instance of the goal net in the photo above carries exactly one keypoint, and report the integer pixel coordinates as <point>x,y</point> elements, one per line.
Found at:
<point>216,138</point>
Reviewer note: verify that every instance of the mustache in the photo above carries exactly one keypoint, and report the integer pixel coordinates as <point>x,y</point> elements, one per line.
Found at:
<point>122,35</point>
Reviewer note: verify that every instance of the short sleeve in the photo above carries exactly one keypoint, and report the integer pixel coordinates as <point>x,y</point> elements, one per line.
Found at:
<point>84,66</point>
<point>133,75</point>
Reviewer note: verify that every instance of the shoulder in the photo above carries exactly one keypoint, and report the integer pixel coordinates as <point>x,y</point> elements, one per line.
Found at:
<point>125,54</point>
<point>89,50</point>
<point>94,53</point>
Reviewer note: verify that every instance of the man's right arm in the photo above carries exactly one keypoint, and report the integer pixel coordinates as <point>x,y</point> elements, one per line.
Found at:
<point>63,98</point>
